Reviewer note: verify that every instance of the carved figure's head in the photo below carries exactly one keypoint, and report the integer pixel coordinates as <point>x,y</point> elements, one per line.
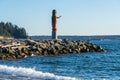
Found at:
<point>54,12</point>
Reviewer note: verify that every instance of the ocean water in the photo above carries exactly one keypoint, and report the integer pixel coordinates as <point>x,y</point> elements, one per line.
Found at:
<point>84,66</point>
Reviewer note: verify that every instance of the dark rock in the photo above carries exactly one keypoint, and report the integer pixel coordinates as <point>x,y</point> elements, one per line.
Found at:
<point>44,47</point>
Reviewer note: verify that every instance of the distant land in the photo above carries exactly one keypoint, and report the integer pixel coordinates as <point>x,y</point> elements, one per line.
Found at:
<point>8,30</point>
<point>76,37</point>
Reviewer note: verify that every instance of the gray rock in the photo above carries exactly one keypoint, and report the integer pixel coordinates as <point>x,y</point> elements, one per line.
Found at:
<point>44,47</point>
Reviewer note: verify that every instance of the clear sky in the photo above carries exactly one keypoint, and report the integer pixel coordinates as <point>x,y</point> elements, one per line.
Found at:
<point>79,17</point>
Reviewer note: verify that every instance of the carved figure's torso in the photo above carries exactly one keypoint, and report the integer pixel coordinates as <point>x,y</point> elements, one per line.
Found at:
<point>54,20</point>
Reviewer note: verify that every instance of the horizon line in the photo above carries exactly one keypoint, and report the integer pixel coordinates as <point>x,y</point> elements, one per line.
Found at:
<point>76,35</point>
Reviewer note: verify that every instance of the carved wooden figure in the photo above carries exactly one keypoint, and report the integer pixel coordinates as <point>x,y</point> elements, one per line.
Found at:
<point>54,21</point>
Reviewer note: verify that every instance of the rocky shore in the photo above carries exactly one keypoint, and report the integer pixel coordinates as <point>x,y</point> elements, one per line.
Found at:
<point>16,49</point>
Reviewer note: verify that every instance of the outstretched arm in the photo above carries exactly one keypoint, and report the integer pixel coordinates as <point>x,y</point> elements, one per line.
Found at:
<point>58,17</point>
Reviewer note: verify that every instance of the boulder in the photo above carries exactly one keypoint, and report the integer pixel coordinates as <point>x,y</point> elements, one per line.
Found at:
<point>44,47</point>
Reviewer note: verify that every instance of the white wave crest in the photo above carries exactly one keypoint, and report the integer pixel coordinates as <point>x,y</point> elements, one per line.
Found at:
<point>30,72</point>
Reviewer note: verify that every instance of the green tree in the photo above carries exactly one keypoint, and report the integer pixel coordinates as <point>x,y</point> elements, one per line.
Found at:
<point>10,30</point>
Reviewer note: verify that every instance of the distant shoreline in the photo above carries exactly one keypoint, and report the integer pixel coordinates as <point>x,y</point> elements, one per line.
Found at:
<point>96,37</point>
<point>76,35</point>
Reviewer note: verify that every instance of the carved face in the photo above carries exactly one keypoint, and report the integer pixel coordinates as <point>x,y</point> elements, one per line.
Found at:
<point>54,12</point>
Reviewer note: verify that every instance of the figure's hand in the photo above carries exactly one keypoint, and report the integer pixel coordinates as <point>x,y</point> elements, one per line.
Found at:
<point>59,17</point>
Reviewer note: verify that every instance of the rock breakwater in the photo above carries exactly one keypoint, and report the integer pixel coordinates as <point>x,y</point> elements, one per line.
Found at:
<point>16,49</point>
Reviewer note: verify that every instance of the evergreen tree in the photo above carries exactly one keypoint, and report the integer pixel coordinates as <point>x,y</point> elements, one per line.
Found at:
<point>10,30</point>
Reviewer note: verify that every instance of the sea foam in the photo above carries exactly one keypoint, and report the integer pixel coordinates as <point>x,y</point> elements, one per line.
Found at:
<point>31,72</point>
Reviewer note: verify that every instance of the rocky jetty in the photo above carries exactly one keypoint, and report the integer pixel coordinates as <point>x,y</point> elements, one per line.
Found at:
<point>16,49</point>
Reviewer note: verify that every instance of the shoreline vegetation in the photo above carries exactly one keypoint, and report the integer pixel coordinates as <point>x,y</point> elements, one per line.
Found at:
<point>21,48</point>
<point>8,30</point>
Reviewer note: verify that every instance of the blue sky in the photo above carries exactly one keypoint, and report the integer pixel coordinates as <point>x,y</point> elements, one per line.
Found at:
<point>79,17</point>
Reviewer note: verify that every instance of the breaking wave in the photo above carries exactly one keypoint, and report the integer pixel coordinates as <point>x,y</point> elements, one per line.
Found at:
<point>31,72</point>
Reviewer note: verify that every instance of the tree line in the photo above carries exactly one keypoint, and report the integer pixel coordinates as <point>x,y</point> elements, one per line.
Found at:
<point>9,30</point>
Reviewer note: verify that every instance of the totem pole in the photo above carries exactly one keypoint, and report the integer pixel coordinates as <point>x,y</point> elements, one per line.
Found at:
<point>54,28</point>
